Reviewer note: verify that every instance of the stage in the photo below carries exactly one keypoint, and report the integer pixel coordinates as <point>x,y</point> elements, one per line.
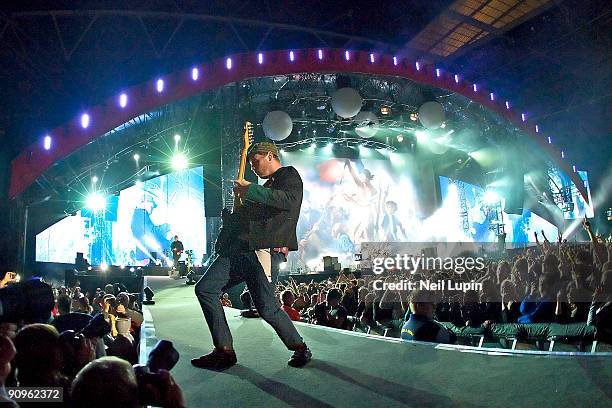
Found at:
<point>354,370</point>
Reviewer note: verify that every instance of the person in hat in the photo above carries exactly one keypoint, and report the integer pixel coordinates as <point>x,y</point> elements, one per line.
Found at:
<point>267,218</point>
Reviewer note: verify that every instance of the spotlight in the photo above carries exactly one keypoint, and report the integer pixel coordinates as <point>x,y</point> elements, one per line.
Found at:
<point>47,142</point>
<point>132,269</point>
<point>414,116</point>
<point>85,121</point>
<point>177,138</point>
<point>136,156</point>
<point>347,55</point>
<point>385,110</point>
<point>179,161</point>
<point>395,61</point>
<point>372,58</point>
<point>320,54</point>
<point>195,74</point>
<point>443,125</point>
<point>94,179</point>
<point>95,202</point>
<point>103,266</point>
<point>400,138</point>
<point>148,296</point>
<point>123,100</point>
<point>260,58</point>
<point>228,63</point>
<point>160,85</point>
<point>291,56</point>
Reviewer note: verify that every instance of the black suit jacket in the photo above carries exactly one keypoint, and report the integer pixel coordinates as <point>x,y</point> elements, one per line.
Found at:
<point>272,210</point>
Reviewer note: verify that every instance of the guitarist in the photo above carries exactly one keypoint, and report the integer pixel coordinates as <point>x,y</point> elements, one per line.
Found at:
<point>177,250</point>
<point>265,220</point>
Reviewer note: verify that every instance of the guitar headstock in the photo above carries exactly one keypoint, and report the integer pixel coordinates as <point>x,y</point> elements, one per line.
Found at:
<point>248,138</point>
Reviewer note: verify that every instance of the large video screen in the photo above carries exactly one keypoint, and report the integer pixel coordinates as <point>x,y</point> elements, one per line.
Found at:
<point>135,227</point>
<point>347,202</point>
<point>465,205</point>
<point>568,198</point>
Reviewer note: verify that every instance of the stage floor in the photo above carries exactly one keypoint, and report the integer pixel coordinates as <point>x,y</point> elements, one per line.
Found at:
<point>354,370</point>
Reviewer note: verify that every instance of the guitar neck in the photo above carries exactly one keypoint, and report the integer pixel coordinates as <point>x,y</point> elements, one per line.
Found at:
<point>248,134</point>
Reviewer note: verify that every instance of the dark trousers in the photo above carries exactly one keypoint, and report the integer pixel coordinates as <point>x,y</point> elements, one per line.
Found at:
<point>225,272</point>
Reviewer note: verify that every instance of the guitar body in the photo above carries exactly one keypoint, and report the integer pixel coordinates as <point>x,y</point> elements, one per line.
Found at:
<point>230,227</point>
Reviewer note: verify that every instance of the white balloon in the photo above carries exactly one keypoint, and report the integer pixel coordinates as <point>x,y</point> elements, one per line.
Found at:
<point>346,102</point>
<point>367,124</point>
<point>431,114</point>
<point>277,125</point>
<point>438,148</point>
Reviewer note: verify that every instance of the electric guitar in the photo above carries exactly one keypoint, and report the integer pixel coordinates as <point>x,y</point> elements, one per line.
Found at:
<point>230,227</point>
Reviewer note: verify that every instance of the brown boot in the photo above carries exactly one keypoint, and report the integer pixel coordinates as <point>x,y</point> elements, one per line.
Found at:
<point>218,359</point>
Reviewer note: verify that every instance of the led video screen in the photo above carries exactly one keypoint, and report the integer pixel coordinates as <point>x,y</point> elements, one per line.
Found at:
<point>466,205</point>
<point>567,196</point>
<point>135,227</point>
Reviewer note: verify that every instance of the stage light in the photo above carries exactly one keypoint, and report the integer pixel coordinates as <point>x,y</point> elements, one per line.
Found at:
<point>89,268</point>
<point>417,66</point>
<point>443,125</point>
<point>47,142</point>
<point>260,58</point>
<point>160,85</point>
<point>549,140</point>
<point>507,105</point>
<point>132,269</point>
<point>537,129</point>
<point>85,121</point>
<point>177,138</point>
<point>562,154</point>
<point>438,73</point>
<point>456,78</point>
<point>195,74</point>
<point>414,116</point>
<point>475,87</point>
<point>385,110</point>
<point>179,161</point>
<point>395,61</point>
<point>574,168</point>
<point>400,138</point>
<point>95,202</point>
<point>492,96</point>
<point>103,266</point>
<point>123,100</point>
<point>228,63</point>
<point>149,296</point>
<point>122,266</point>
<point>347,55</point>
<point>282,266</point>
<point>291,56</point>
<point>136,156</point>
<point>371,58</point>
<point>94,179</point>
<point>320,54</point>
<point>491,197</point>
<point>524,117</point>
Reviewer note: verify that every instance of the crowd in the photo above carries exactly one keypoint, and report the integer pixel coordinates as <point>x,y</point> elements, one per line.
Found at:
<point>86,344</point>
<point>552,282</point>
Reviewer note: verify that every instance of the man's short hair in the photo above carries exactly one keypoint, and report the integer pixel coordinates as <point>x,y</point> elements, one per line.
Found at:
<point>334,294</point>
<point>285,296</point>
<point>110,377</point>
<point>63,304</point>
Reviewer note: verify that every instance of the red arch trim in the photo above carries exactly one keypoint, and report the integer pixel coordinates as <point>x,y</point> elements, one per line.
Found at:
<point>34,160</point>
